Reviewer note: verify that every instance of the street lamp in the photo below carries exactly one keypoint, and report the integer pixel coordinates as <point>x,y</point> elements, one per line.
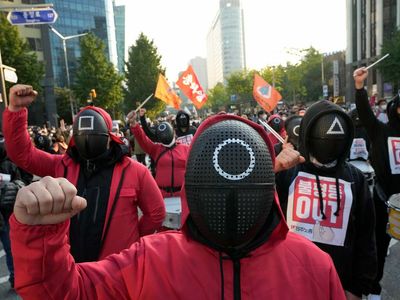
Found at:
<point>64,39</point>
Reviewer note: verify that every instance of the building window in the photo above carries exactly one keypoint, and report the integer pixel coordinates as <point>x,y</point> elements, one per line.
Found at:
<point>35,44</point>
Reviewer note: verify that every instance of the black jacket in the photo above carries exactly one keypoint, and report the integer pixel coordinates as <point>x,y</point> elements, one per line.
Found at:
<point>355,260</point>
<point>379,133</point>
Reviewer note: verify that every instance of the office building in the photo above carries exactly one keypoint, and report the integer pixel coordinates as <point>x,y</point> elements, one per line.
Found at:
<point>369,24</point>
<point>119,20</point>
<point>226,43</point>
<point>199,65</point>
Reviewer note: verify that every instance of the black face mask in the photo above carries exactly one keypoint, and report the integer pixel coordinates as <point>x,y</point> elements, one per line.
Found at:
<point>292,126</point>
<point>165,134</point>
<point>276,124</point>
<point>182,121</point>
<point>328,138</point>
<point>229,184</point>
<point>90,134</point>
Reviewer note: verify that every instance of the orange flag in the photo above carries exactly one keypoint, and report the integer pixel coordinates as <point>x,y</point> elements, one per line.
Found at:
<point>166,94</point>
<point>190,86</point>
<point>265,94</point>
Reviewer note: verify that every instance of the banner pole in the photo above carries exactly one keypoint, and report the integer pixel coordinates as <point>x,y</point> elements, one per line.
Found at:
<point>144,102</point>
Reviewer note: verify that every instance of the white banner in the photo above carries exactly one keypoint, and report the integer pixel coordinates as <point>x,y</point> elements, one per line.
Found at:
<point>304,213</point>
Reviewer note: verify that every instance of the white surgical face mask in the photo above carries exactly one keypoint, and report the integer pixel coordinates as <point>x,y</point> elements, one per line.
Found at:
<point>382,107</point>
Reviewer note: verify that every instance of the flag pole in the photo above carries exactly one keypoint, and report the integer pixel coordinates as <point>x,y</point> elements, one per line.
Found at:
<point>265,124</point>
<point>144,102</point>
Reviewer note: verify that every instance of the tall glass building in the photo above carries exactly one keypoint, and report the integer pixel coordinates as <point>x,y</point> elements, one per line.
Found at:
<point>119,20</point>
<point>226,42</point>
<point>75,17</point>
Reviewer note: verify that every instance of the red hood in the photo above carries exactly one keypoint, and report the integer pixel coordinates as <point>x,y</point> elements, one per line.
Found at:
<point>222,117</point>
<point>106,118</point>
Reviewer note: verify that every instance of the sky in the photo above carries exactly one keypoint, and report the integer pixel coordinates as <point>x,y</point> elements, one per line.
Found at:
<point>272,28</point>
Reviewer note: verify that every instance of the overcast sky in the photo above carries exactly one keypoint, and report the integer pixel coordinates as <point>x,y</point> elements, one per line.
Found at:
<point>179,28</point>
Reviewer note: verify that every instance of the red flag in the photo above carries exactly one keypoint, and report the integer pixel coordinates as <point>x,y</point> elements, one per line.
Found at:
<point>190,86</point>
<point>265,94</point>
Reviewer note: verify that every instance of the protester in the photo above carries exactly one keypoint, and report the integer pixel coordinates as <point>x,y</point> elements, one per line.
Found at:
<point>96,163</point>
<point>184,131</point>
<point>292,129</point>
<point>327,200</point>
<point>381,114</point>
<point>12,179</point>
<point>385,145</point>
<point>59,146</point>
<point>277,124</point>
<point>361,145</point>
<point>261,117</point>
<point>223,251</point>
<point>169,156</point>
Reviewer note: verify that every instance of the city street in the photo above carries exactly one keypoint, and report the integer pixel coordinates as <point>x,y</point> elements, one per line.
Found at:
<point>390,281</point>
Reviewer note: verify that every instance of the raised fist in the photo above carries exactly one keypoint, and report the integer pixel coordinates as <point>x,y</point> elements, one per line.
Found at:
<point>131,118</point>
<point>48,201</point>
<point>21,95</point>
<point>287,159</point>
<point>359,76</point>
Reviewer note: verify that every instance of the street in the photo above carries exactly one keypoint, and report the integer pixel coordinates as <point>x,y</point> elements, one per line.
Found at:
<point>391,279</point>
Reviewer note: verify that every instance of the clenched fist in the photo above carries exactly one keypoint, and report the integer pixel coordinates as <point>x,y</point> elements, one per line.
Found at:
<point>48,201</point>
<point>287,159</point>
<point>131,118</point>
<point>359,76</point>
<point>21,96</point>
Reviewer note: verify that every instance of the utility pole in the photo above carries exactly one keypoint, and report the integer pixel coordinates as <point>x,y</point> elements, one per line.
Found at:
<point>64,43</point>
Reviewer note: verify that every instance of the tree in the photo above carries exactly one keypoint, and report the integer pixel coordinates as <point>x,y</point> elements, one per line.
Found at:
<point>218,98</point>
<point>293,90</point>
<point>142,70</point>
<point>390,67</point>
<point>241,85</point>
<point>96,72</point>
<point>62,96</point>
<point>311,69</point>
<point>16,53</point>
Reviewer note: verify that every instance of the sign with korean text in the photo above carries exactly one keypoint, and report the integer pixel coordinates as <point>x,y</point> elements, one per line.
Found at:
<point>185,139</point>
<point>304,209</point>
<point>394,154</point>
<point>32,16</point>
<point>358,149</point>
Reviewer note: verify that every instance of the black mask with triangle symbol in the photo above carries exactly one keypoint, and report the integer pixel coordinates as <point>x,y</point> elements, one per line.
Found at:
<point>328,138</point>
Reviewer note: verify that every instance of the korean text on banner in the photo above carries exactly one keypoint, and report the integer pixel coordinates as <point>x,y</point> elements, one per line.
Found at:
<point>166,94</point>
<point>265,95</point>
<point>190,86</point>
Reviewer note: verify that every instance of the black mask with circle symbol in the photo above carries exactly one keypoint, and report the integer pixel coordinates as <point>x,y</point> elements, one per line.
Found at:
<point>229,183</point>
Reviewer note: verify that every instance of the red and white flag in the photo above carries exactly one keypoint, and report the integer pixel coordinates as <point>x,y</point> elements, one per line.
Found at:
<point>190,86</point>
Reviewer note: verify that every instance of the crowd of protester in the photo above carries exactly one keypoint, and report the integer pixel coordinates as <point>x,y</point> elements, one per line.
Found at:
<point>200,160</point>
